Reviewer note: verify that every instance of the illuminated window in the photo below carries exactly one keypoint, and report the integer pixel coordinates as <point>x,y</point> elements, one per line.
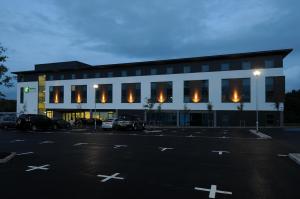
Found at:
<point>56,94</point>
<point>236,90</point>
<point>161,92</point>
<point>78,94</point>
<point>131,93</point>
<point>196,91</point>
<point>104,93</point>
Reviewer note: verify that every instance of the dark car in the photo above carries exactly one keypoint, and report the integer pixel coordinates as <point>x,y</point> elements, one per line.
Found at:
<point>61,124</point>
<point>7,122</point>
<point>34,122</point>
<point>130,123</point>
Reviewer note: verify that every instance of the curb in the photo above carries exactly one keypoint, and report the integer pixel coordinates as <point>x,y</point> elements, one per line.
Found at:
<point>295,157</point>
<point>259,134</point>
<point>7,158</point>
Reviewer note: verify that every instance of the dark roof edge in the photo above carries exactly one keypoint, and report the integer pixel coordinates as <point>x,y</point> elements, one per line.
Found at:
<point>283,52</point>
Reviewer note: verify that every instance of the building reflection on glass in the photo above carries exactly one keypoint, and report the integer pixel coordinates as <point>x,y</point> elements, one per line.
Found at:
<point>56,98</point>
<point>78,99</point>
<point>196,96</point>
<point>161,97</point>
<point>235,97</point>
<point>103,97</point>
<point>130,97</point>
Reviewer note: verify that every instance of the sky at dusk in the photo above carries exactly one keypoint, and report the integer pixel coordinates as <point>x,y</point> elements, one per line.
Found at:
<point>116,31</point>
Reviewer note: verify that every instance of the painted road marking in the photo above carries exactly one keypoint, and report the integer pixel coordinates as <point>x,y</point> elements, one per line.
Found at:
<point>80,143</point>
<point>282,155</point>
<point>220,152</point>
<point>26,153</point>
<point>152,131</point>
<point>43,167</point>
<point>164,148</point>
<point>119,146</point>
<point>106,177</point>
<point>212,191</point>
<point>17,141</point>
<point>223,137</point>
<point>190,136</point>
<point>47,142</point>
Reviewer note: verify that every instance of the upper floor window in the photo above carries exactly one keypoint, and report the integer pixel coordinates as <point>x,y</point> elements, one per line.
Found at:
<point>73,76</point>
<point>169,70</point>
<point>85,76</point>
<point>131,93</point>
<point>109,74</point>
<point>62,77</point>
<point>236,90</point>
<point>97,75</point>
<point>22,95</point>
<point>275,89</point>
<point>104,93</point>
<point>205,68</point>
<point>186,69</point>
<point>50,77</point>
<point>123,73</point>
<point>196,91</point>
<point>269,63</point>
<point>246,65</point>
<point>153,71</point>
<point>161,92</point>
<point>138,72</point>
<point>56,94</point>
<point>78,94</point>
<point>224,66</point>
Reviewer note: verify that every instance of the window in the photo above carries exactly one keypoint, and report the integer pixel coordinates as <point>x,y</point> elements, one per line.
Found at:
<point>205,68</point>
<point>124,73</point>
<point>170,70</point>
<point>73,76</point>
<point>131,93</point>
<point>50,77</point>
<point>109,74</point>
<point>138,72</point>
<point>85,76</point>
<point>56,94</point>
<point>236,90</point>
<point>246,65</point>
<point>104,93</point>
<point>275,89</point>
<point>224,66</point>
<point>78,94</point>
<point>161,92</point>
<point>269,63</point>
<point>196,91</point>
<point>186,69</point>
<point>22,95</point>
<point>62,77</point>
<point>153,71</point>
<point>97,75</point>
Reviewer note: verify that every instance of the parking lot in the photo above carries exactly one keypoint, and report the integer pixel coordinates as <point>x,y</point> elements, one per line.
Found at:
<point>157,163</point>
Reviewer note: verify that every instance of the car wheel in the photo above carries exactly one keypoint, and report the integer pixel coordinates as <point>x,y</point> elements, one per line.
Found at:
<point>33,127</point>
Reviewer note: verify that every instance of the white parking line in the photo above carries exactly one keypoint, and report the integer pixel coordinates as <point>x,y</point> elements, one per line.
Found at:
<point>43,167</point>
<point>107,177</point>
<point>212,191</point>
<point>80,143</point>
<point>26,153</point>
<point>220,152</point>
<point>17,141</point>
<point>190,136</point>
<point>46,142</point>
<point>164,148</point>
<point>282,155</point>
<point>119,146</point>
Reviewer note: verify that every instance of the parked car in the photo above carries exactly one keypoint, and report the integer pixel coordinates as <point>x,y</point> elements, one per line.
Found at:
<point>35,122</point>
<point>7,122</point>
<point>82,122</point>
<point>130,122</point>
<point>61,124</point>
<point>109,124</point>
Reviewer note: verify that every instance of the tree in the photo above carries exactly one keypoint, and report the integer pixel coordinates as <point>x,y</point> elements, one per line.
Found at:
<point>148,106</point>
<point>5,80</point>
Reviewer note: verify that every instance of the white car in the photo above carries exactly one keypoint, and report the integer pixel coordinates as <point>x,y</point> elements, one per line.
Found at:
<point>109,124</point>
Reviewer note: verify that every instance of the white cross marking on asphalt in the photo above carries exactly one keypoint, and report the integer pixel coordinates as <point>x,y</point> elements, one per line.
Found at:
<point>106,177</point>
<point>119,146</point>
<point>212,191</point>
<point>282,155</point>
<point>17,141</point>
<point>43,167</point>
<point>47,142</point>
<point>220,152</point>
<point>80,143</point>
<point>26,153</point>
<point>164,148</point>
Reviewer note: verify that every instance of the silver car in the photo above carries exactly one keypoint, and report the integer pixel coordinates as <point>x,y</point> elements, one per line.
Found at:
<point>109,124</point>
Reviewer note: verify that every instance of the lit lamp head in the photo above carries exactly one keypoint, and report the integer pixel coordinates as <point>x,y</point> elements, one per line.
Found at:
<point>256,73</point>
<point>95,86</point>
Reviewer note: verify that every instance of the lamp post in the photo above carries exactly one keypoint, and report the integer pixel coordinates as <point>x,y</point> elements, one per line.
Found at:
<point>256,73</point>
<point>95,87</point>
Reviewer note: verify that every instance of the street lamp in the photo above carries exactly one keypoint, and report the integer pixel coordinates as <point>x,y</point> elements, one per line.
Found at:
<point>256,73</point>
<point>95,87</point>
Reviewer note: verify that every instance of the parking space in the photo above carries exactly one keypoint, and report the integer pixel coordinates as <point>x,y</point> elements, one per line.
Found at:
<point>158,163</point>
